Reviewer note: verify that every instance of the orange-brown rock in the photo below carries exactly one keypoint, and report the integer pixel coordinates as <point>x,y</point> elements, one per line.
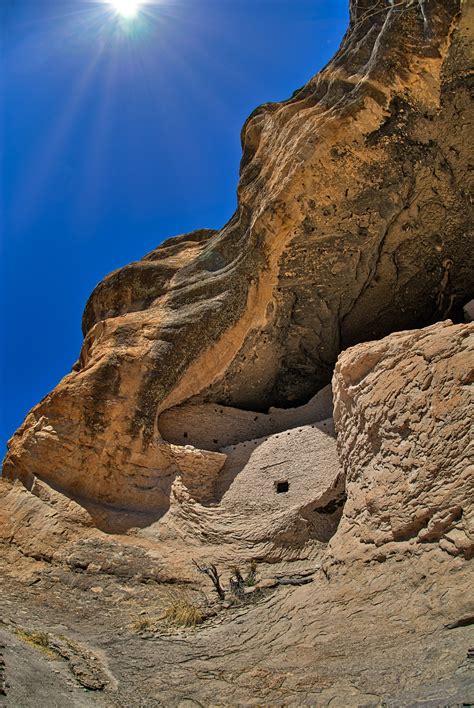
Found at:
<point>196,424</point>
<point>352,221</point>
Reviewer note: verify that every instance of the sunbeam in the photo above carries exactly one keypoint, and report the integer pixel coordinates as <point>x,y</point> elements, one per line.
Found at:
<point>126,8</point>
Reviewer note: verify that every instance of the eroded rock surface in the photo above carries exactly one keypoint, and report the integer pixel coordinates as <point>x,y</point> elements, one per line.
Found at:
<point>196,426</point>
<point>403,412</point>
<point>395,577</point>
<point>352,222</point>
<point>277,499</point>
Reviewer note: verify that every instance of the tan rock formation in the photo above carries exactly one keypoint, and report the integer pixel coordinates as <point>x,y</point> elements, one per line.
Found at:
<point>277,499</point>
<point>387,620</point>
<point>403,411</point>
<point>195,425</point>
<point>352,222</point>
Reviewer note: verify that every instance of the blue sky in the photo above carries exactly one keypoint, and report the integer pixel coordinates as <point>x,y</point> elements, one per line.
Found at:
<point>115,135</point>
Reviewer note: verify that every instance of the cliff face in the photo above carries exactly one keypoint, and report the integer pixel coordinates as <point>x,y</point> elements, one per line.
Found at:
<point>394,578</point>
<point>403,414</point>
<point>352,222</point>
<point>197,423</point>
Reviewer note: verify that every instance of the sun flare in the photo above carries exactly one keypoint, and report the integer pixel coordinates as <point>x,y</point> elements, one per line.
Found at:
<point>126,8</point>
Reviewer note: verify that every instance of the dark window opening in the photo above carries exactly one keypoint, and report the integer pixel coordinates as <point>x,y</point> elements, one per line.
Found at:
<point>282,487</point>
<point>185,435</point>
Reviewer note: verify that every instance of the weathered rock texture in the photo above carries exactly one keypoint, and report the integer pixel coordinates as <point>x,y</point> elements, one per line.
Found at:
<point>277,498</point>
<point>403,412</point>
<point>387,617</point>
<point>196,424</point>
<point>352,221</point>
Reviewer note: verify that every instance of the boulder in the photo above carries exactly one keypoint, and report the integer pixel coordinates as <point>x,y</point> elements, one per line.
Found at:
<point>403,414</point>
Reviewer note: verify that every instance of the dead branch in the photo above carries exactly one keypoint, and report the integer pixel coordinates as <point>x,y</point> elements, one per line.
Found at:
<point>213,575</point>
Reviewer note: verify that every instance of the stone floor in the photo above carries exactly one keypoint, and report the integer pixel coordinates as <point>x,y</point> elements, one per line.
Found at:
<point>361,636</point>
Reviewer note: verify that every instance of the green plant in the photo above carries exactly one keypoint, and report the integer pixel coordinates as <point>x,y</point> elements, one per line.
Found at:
<point>251,578</point>
<point>238,582</point>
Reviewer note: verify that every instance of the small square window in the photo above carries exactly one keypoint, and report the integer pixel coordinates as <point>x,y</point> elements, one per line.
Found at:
<point>282,487</point>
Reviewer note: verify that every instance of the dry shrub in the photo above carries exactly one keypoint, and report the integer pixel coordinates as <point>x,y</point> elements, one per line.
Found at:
<point>142,624</point>
<point>181,610</point>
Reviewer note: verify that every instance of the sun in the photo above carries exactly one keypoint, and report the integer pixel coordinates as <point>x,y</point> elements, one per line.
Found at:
<point>126,8</point>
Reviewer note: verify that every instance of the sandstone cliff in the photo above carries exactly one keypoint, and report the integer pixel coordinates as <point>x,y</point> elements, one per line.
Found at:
<point>199,424</point>
<point>394,579</point>
<point>353,221</point>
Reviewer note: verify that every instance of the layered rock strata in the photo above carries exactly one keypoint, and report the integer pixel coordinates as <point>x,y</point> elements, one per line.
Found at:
<point>196,424</point>
<point>352,221</point>
<point>395,578</point>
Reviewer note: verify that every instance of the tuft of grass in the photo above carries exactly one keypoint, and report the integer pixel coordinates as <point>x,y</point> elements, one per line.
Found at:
<point>181,611</point>
<point>38,640</point>
<point>142,624</point>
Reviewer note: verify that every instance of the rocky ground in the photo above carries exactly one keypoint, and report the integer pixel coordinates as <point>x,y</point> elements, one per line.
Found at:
<point>388,634</point>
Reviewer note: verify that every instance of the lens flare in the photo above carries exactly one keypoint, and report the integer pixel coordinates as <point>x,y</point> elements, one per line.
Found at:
<point>126,8</point>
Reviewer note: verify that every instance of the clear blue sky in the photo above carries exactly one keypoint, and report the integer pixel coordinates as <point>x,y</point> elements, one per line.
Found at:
<point>114,136</point>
